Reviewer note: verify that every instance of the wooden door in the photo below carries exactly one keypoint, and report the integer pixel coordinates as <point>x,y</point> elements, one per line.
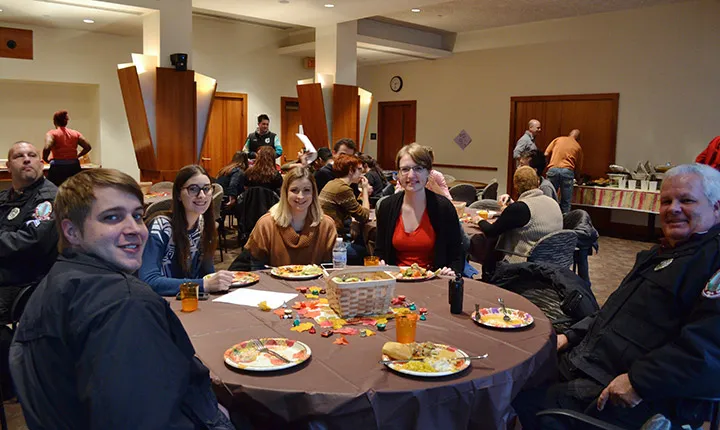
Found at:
<point>396,127</point>
<point>290,124</point>
<point>226,133</point>
<point>595,115</point>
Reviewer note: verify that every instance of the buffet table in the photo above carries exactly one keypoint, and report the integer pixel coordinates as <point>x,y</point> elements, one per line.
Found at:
<point>642,201</point>
<point>344,386</point>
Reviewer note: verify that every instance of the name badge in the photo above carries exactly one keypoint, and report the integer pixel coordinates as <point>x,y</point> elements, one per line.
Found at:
<point>712,288</point>
<point>663,264</point>
<point>13,213</point>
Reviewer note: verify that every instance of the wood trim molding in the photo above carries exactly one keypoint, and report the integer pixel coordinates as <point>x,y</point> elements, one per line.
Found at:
<point>569,97</point>
<point>137,118</point>
<point>231,95</point>
<point>461,166</point>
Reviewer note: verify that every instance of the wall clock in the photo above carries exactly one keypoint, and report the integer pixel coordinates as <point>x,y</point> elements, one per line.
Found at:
<point>396,83</point>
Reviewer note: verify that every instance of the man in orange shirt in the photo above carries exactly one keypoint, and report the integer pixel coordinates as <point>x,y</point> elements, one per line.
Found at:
<point>566,158</point>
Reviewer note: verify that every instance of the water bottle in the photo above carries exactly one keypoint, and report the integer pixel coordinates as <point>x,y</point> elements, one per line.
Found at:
<point>339,254</point>
<point>457,290</point>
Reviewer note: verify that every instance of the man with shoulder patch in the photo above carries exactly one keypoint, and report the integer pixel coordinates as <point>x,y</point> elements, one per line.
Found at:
<point>655,344</point>
<point>97,348</point>
<point>28,239</point>
<point>262,137</point>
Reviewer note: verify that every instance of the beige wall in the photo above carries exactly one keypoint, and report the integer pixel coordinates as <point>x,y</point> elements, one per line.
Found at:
<point>663,61</point>
<point>242,57</point>
<point>27,110</point>
<point>78,57</point>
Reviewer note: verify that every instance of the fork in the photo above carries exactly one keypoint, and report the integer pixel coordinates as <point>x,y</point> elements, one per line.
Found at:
<point>262,348</point>
<point>476,357</point>
<point>504,309</point>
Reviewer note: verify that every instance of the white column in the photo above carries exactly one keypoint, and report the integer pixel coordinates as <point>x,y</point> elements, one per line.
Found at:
<point>168,31</point>
<point>336,52</point>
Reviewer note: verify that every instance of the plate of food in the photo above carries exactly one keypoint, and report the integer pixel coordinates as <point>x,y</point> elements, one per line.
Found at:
<point>297,272</point>
<point>249,354</point>
<point>494,317</point>
<point>243,279</point>
<point>426,359</point>
<point>413,273</point>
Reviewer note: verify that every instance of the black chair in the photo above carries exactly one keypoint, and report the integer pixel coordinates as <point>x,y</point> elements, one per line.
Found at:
<point>252,204</point>
<point>463,193</point>
<point>580,222</point>
<point>596,423</point>
<point>490,191</point>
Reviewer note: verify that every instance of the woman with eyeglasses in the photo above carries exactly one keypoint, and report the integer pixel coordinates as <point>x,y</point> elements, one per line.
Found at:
<point>417,225</point>
<point>294,231</point>
<point>182,244</point>
<point>436,180</point>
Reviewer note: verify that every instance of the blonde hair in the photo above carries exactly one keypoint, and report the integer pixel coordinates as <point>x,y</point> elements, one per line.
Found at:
<point>421,155</point>
<point>525,179</point>
<point>76,196</point>
<point>281,212</point>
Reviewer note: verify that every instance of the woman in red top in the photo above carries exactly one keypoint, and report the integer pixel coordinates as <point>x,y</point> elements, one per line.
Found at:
<point>416,225</point>
<point>63,143</point>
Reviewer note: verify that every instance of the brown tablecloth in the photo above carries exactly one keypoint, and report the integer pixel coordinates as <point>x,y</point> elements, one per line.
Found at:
<point>345,386</point>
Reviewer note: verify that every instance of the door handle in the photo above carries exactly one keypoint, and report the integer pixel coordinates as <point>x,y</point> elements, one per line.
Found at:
<point>206,159</point>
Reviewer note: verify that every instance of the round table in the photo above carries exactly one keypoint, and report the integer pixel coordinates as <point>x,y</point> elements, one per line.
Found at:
<point>345,386</point>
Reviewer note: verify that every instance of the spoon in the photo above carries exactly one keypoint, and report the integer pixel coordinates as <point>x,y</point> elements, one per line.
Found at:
<point>504,309</point>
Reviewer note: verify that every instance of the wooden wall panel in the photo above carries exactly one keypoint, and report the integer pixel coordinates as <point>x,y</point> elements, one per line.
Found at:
<point>137,118</point>
<point>23,40</point>
<point>346,112</point>
<point>312,111</point>
<point>175,118</point>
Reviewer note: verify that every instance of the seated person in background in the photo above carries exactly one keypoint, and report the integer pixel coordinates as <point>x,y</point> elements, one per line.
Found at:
<point>338,201</point>
<point>436,180</point>
<point>417,225</point>
<point>182,244</point>
<point>655,343</point>
<point>522,223</point>
<point>264,173</point>
<point>28,238</point>
<point>374,175</point>
<point>325,173</point>
<point>295,231</point>
<point>96,347</point>
<point>232,176</point>
<point>537,161</point>
<point>711,154</point>
<point>324,155</point>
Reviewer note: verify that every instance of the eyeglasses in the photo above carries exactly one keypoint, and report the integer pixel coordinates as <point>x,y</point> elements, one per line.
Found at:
<point>194,190</point>
<point>417,169</point>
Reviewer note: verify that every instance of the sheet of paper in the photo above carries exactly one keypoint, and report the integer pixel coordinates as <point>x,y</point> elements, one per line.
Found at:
<point>312,152</point>
<point>250,297</point>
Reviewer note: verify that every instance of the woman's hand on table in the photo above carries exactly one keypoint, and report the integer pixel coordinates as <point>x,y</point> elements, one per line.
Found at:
<point>504,201</point>
<point>218,281</point>
<point>446,271</point>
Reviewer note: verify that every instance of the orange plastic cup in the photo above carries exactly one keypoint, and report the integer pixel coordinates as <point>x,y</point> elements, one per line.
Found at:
<point>405,326</point>
<point>189,296</point>
<point>371,260</point>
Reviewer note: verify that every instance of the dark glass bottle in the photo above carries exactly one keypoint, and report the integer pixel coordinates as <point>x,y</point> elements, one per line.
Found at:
<point>456,291</point>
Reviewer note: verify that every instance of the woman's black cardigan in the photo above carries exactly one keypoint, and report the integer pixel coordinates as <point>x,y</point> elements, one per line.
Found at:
<point>443,217</point>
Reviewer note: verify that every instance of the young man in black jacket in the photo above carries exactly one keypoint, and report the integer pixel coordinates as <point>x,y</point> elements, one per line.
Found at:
<point>96,348</point>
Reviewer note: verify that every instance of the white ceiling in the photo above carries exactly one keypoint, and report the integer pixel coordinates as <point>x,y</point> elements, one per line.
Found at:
<point>447,15</point>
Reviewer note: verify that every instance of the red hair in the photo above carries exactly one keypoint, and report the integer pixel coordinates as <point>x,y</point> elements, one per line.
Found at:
<point>344,163</point>
<point>264,169</point>
<point>60,118</point>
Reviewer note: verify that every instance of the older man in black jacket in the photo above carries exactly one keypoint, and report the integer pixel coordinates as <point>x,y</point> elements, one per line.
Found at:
<point>28,239</point>
<point>655,343</point>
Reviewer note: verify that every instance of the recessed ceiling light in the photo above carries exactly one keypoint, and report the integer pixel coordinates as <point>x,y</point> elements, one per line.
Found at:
<point>416,10</point>
<point>284,1</point>
<point>0,10</point>
<point>329,5</point>
<point>88,21</point>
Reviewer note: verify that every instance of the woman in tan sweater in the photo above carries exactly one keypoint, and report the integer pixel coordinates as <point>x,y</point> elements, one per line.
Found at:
<point>294,231</point>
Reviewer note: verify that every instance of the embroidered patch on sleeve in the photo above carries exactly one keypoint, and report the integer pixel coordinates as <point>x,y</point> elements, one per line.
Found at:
<point>43,211</point>
<point>712,288</point>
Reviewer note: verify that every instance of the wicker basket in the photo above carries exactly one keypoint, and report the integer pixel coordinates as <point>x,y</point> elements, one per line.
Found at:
<point>354,299</point>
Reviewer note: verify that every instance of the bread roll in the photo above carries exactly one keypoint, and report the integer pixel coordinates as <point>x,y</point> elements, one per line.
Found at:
<point>397,351</point>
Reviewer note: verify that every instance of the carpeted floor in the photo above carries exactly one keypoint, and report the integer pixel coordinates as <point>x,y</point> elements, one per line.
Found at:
<point>607,268</point>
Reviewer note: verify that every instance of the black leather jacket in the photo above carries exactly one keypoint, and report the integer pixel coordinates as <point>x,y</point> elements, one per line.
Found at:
<point>658,326</point>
